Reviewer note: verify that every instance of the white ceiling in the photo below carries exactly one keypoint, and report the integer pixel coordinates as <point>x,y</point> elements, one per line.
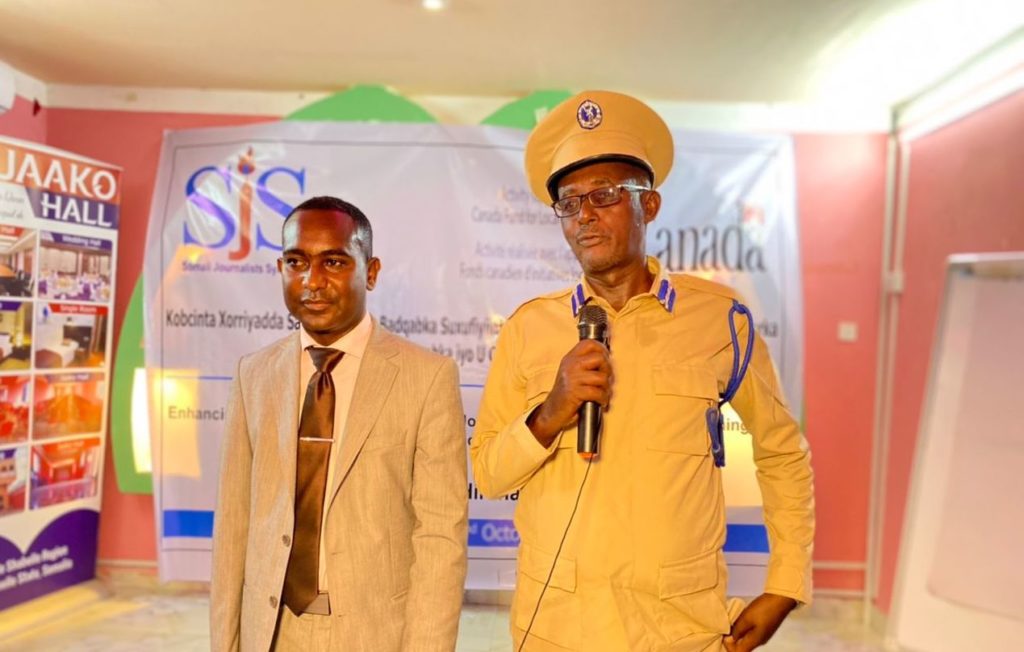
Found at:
<point>880,51</point>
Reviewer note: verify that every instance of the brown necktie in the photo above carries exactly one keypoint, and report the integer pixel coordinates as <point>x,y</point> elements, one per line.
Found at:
<point>316,434</point>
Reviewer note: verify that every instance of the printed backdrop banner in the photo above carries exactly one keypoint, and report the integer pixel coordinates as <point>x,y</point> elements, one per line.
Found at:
<point>462,242</point>
<point>58,238</point>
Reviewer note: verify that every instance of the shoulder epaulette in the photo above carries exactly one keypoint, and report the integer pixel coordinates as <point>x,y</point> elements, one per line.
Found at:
<point>697,284</point>
<point>557,295</point>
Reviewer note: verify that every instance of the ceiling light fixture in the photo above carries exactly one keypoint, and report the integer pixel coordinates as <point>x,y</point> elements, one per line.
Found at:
<point>434,5</point>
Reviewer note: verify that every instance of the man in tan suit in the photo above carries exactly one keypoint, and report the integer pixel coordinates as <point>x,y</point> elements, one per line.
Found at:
<point>622,551</point>
<point>341,515</point>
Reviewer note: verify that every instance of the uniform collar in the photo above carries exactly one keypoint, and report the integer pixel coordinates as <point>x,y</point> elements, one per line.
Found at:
<point>661,288</point>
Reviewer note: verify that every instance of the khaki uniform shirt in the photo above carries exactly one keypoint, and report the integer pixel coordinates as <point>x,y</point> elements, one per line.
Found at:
<point>642,566</point>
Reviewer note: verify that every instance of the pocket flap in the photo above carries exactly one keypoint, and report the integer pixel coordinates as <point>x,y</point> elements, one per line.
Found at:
<point>685,380</point>
<point>536,564</point>
<point>539,383</point>
<point>688,576</point>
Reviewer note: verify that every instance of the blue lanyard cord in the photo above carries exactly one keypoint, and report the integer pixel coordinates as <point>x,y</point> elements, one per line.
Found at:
<point>713,415</point>
<point>738,370</point>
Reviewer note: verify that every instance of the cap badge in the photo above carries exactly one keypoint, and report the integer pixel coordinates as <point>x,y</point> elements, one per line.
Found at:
<point>589,114</point>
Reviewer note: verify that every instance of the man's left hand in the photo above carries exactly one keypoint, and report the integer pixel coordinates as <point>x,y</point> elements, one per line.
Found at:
<point>758,622</point>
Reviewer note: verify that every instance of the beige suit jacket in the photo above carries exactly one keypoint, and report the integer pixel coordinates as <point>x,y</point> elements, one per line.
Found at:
<point>396,521</point>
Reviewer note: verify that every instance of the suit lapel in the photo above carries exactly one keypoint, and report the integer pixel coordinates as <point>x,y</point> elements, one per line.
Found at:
<point>373,384</point>
<point>285,380</point>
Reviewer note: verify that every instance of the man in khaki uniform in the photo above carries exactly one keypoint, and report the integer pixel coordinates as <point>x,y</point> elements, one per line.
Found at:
<point>641,566</point>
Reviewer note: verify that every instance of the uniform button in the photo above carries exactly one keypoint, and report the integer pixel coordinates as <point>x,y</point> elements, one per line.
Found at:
<point>286,540</point>
<point>273,602</point>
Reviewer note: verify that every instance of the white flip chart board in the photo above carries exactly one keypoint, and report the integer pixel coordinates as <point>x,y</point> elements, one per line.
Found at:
<point>960,579</point>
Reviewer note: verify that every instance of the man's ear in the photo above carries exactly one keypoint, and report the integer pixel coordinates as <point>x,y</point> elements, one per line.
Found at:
<point>372,269</point>
<point>651,202</point>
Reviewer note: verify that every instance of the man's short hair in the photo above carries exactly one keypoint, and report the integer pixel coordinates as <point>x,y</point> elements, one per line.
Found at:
<point>363,230</point>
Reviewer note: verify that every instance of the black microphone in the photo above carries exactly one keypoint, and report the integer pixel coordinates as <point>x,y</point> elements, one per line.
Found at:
<point>593,325</point>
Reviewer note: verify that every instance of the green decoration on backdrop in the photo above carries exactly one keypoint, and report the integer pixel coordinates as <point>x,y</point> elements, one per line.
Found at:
<point>130,356</point>
<point>524,113</point>
<point>363,104</point>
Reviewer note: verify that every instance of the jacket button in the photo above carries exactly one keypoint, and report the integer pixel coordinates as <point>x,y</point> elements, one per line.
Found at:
<point>273,602</point>
<point>286,540</point>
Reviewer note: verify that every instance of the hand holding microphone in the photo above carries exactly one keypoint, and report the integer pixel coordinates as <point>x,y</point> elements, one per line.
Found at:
<point>583,386</point>
<point>593,325</point>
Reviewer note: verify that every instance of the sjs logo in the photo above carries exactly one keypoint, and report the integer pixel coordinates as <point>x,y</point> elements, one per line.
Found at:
<point>209,183</point>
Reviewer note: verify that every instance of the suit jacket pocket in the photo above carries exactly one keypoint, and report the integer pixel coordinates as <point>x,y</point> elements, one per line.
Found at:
<point>384,438</point>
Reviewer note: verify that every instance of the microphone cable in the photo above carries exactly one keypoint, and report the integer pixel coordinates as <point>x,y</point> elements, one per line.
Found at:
<point>551,573</point>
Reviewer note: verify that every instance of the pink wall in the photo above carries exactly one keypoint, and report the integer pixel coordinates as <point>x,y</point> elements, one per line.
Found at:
<point>131,140</point>
<point>841,195</point>
<point>965,194</point>
<point>20,123</point>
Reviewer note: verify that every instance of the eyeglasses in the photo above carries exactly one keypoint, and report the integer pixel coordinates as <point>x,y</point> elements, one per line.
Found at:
<point>598,198</point>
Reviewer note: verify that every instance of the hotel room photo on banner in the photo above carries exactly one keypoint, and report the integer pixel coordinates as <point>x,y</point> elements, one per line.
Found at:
<point>13,480</point>
<point>74,267</point>
<point>15,335</point>
<point>70,335</point>
<point>17,261</point>
<point>63,471</point>
<point>68,404</point>
<point>14,401</point>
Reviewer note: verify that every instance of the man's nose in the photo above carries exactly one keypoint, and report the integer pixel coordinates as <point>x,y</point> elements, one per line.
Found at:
<point>314,278</point>
<point>587,212</point>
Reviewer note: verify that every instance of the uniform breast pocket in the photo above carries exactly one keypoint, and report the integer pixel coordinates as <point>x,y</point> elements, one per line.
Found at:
<point>538,384</point>
<point>682,395</point>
